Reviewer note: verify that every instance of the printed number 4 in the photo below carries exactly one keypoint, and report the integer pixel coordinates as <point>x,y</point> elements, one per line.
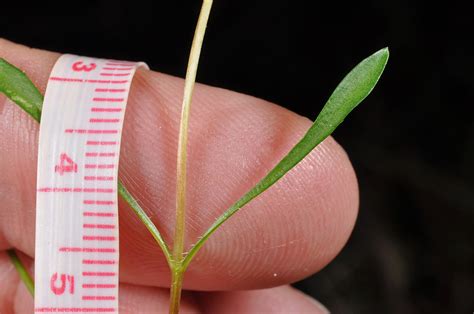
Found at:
<point>80,66</point>
<point>65,165</point>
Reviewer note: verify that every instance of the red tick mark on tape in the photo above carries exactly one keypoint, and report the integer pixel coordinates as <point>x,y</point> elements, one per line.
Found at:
<point>98,226</point>
<point>98,238</point>
<point>107,81</point>
<point>98,297</point>
<point>94,202</point>
<point>100,178</point>
<point>95,154</point>
<point>103,143</point>
<point>76,190</point>
<point>99,166</point>
<point>97,120</point>
<point>65,79</point>
<point>77,80</point>
<point>110,90</point>
<point>120,63</point>
<point>86,250</point>
<point>99,273</point>
<point>100,99</point>
<point>74,310</point>
<point>118,68</point>
<point>97,109</point>
<point>114,74</point>
<point>98,214</point>
<point>98,190</point>
<point>99,262</point>
<point>98,286</point>
<point>91,131</point>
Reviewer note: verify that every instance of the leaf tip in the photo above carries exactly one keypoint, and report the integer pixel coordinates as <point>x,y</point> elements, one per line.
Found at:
<point>384,54</point>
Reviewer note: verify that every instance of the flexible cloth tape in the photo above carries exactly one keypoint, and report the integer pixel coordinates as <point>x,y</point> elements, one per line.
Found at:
<point>77,247</point>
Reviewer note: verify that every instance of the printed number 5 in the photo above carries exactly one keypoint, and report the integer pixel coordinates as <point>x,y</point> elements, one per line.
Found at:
<point>64,280</point>
<point>80,66</point>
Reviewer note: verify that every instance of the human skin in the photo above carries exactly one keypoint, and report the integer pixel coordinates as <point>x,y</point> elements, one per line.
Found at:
<point>288,233</point>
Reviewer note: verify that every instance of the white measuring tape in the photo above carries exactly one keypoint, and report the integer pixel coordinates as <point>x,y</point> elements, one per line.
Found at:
<point>77,247</point>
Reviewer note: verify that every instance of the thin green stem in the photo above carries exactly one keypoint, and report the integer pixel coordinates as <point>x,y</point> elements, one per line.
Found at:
<point>179,234</point>
<point>24,275</point>
<point>177,276</point>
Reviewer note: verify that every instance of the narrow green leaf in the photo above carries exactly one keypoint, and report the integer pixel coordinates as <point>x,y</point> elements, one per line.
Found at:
<point>21,269</point>
<point>348,94</point>
<point>19,88</point>
<point>146,221</point>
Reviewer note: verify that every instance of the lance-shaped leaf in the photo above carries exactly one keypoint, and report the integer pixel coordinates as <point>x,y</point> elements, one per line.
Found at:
<point>350,92</point>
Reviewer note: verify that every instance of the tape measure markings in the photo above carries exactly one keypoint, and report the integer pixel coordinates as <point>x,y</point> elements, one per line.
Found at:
<point>76,267</point>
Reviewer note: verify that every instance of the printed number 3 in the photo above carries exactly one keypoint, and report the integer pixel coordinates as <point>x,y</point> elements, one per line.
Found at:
<point>80,66</point>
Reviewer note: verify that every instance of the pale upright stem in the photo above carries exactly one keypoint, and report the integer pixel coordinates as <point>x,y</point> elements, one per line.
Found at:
<point>178,245</point>
<point>179,232</point>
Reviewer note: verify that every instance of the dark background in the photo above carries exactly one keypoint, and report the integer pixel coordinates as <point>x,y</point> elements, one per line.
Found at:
<point>412,144</point>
